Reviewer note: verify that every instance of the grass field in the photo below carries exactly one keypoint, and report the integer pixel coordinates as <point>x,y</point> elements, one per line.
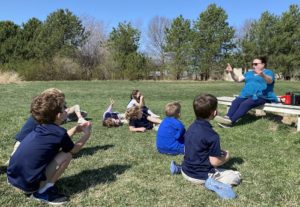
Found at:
<point>121,168</point>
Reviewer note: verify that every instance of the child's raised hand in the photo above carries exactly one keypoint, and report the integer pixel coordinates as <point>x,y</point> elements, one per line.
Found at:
<point>112,101</point>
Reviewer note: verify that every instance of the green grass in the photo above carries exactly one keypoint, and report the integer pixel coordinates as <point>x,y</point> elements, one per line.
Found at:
<point>121,168</point>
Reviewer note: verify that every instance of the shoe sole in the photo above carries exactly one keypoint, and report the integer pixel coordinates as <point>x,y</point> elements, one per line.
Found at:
<point>48,202</point>
<point>223,190</point>
<point>172,170</point>
<point>224,126</point>
<point>222,120</point>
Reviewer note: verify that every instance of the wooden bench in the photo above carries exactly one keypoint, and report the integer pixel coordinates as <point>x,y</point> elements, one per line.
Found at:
<point>268,107</point>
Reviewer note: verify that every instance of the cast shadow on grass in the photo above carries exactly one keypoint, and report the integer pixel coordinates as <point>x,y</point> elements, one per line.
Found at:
<point>89,178</point>
<point>233,161</point>
<point>3,170</point>
<point>92,150</point>
<point>247,119</point>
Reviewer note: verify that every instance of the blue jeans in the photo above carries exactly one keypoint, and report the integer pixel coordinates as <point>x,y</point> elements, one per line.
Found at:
<point>240,106</point>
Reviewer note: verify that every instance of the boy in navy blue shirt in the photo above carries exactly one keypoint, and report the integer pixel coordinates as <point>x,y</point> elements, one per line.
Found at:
<point>44,154</point>
<point>169,138</point>
<point>31,123</point>
<point>203,152</point>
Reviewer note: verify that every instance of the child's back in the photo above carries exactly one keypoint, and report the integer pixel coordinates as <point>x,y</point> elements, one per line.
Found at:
<point>169,138</point>
<point>203,152</point>
<point>201,141</point>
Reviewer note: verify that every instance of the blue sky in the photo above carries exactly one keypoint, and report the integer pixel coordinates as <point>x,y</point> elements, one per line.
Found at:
<point>139,12</point>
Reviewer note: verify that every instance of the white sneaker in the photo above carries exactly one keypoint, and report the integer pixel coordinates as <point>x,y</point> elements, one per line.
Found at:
<point>223,120</point>
<point>81,121</point>
<point>156,127</point>
<point>224,125</point>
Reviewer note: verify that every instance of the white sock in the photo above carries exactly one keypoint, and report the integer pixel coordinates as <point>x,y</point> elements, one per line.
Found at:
<point>43,189</point>
<point>151,113</point>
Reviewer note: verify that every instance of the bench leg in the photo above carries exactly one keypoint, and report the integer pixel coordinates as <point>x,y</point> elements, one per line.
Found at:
<point>298,124</point>
<point>227,109</point>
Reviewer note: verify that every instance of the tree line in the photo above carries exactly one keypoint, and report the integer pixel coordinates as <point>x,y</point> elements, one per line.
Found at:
<point>68,47</point>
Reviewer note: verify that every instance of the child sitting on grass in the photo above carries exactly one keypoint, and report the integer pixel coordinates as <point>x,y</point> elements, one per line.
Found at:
<point>140,120</point>
<point>73,113</point>
<point>113,119</point>
<point>169,138</point>
<point>203,152</point>
<point>137,99</point>
<point>45,153</point>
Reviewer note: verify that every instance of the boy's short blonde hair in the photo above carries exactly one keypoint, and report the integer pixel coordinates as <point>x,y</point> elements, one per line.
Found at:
<point>134,112</point>
<point>173,109</point>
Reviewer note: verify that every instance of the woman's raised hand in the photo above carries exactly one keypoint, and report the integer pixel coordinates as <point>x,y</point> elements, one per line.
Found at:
<point>228,68</point>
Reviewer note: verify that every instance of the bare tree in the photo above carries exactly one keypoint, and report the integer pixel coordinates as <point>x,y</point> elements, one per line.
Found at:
<point>244,29</point>
<point>156,37</point>
<point>93,52</point>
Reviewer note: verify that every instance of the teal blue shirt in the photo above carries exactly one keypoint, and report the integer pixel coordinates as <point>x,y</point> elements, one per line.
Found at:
<point>256,86</point>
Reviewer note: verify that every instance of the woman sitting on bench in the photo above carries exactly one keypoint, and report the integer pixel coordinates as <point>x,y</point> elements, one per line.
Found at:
<point>258,90</point>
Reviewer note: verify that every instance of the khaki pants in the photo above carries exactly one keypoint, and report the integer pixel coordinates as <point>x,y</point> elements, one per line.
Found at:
<point>229,177</point>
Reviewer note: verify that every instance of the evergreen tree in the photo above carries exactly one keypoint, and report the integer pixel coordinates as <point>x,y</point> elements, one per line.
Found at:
<point>28,38</point>
<point>260,40</point>
<point>212,41</point>
<point>61,33</point>
<point>123,44</point>
<point>287,43</point>
<point>9,39</point>
<point>178,45</point>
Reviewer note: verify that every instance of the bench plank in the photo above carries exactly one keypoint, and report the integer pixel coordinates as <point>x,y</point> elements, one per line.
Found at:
<point>270,107</point>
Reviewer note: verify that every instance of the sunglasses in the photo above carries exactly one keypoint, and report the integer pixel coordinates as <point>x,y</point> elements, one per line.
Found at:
<point>256,64</point>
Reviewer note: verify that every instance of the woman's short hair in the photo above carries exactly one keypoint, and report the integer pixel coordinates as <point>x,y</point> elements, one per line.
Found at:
<point>263,60</point>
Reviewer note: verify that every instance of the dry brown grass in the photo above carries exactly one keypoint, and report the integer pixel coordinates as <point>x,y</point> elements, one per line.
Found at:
<point>9,77</point>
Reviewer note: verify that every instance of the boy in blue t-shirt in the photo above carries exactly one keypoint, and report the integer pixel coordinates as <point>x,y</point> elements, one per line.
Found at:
<point>203,152</point>
<point>169,138</point>
<point>44,154</point>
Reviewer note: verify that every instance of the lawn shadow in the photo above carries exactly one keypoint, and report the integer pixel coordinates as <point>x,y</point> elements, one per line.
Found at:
<point>88,178</point>
<point>3,170</point>
<point>247,119</point>
<point>92,150</point>
<point>231,162</point>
